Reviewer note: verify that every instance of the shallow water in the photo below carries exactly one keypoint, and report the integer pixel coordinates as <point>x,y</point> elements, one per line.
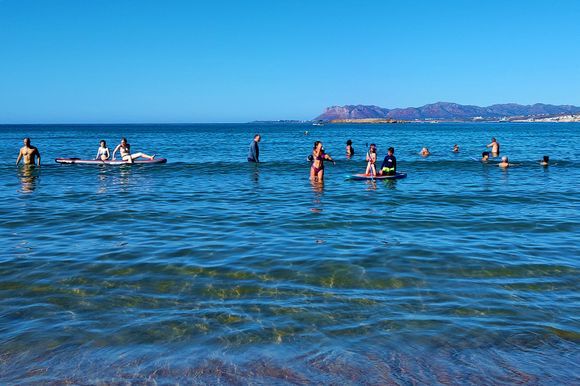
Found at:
<point>211,270</point>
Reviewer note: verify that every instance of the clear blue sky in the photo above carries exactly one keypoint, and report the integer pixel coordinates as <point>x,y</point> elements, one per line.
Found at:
<point>234,61</point>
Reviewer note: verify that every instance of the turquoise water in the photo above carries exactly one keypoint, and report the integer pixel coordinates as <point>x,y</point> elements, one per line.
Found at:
<point>210,270</point>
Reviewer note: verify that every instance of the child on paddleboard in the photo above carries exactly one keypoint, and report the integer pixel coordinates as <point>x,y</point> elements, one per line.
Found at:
<point>389,166</point>
<point>371,160</point>
<point>103,152</point>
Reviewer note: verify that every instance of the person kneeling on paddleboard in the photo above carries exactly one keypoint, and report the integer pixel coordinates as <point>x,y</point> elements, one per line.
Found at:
<point>389,166</point>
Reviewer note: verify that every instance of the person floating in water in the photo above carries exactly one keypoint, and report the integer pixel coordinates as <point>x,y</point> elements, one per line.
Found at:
<point>485,156</point>
<point>371,161</point>
<point>456,148</point>
<point>545,161</point>
<point>425,152</point>
<point>254,151</point>
<point>494,147</point>
<point>103,151</point>
<point>389,166</point>
<point>125,149</point>
<point>349,149</point>
<point>318,158</point>
<point>504,162</point>
<point>29,154</point>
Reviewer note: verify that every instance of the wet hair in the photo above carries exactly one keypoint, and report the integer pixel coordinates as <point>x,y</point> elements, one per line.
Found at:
<point>546,158</point>
<point>485,154</point>
<point>349,142</point>
<point>504,158</point>
<point>27,140</point>
<point>103,142</point>
<point>315,144</point>
<point>257,135</point>
<point>493,139</point>
<point>123,139</point>
<point>391,150</point>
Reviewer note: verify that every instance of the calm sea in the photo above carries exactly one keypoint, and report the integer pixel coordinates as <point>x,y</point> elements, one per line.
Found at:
<point>210,270</point>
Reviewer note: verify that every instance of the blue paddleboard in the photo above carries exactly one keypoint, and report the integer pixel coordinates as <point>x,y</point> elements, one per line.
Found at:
<point>364,177</point>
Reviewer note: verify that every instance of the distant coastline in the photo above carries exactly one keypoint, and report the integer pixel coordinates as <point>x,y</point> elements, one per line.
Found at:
<point>557,118</point>
<point>451,112</point>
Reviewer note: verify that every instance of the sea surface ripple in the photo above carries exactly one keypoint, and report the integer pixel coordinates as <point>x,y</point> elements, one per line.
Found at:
<point>208,269</point>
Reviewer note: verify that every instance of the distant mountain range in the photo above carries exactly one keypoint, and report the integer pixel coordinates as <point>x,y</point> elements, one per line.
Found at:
<point>445,111</point>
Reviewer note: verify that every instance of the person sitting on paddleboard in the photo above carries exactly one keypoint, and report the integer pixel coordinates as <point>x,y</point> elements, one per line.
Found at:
<point>318,157</point>
<point>125,150</point>
<point>103,152</point>
<point>371,160</point>
<point>349,149</point>
<point>389,166</point>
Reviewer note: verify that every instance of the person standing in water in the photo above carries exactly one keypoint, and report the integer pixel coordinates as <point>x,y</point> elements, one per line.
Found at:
<point>318,158</point>
<point>494,147</point>
<point>103,152</point>
<point>29,154</point>
<point>389,166</point>
<point>125,149</point>
<point>349,149</point>
<point>254,151</point>
<point>425,152</point>
<point>456,148</point>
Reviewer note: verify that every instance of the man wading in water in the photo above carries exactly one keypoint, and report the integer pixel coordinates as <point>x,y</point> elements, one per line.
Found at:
<point>29,153</point>
<point>254,152</point>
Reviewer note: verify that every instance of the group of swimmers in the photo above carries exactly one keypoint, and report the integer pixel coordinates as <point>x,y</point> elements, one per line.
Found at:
<point>30,155</point>
<point>389,164</point>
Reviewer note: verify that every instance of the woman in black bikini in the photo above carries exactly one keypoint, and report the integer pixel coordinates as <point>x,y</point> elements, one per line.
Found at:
<point>317,167</point>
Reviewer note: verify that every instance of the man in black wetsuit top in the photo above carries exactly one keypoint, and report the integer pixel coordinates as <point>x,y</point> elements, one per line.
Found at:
<point>254,152</point>
<point>389,166</point>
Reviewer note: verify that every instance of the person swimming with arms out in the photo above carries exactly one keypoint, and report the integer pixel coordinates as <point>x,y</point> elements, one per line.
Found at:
<point>103,151</point>
<point>28,153</point>
<point>389,166</point>
<point>485,156</point>
<point>425,152</point>
<point>125,149</point>
<point>545,161</point>
<point>318,158</point>
<point>349,149</point>
<point>371,160</point>
<point>494,147</point>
